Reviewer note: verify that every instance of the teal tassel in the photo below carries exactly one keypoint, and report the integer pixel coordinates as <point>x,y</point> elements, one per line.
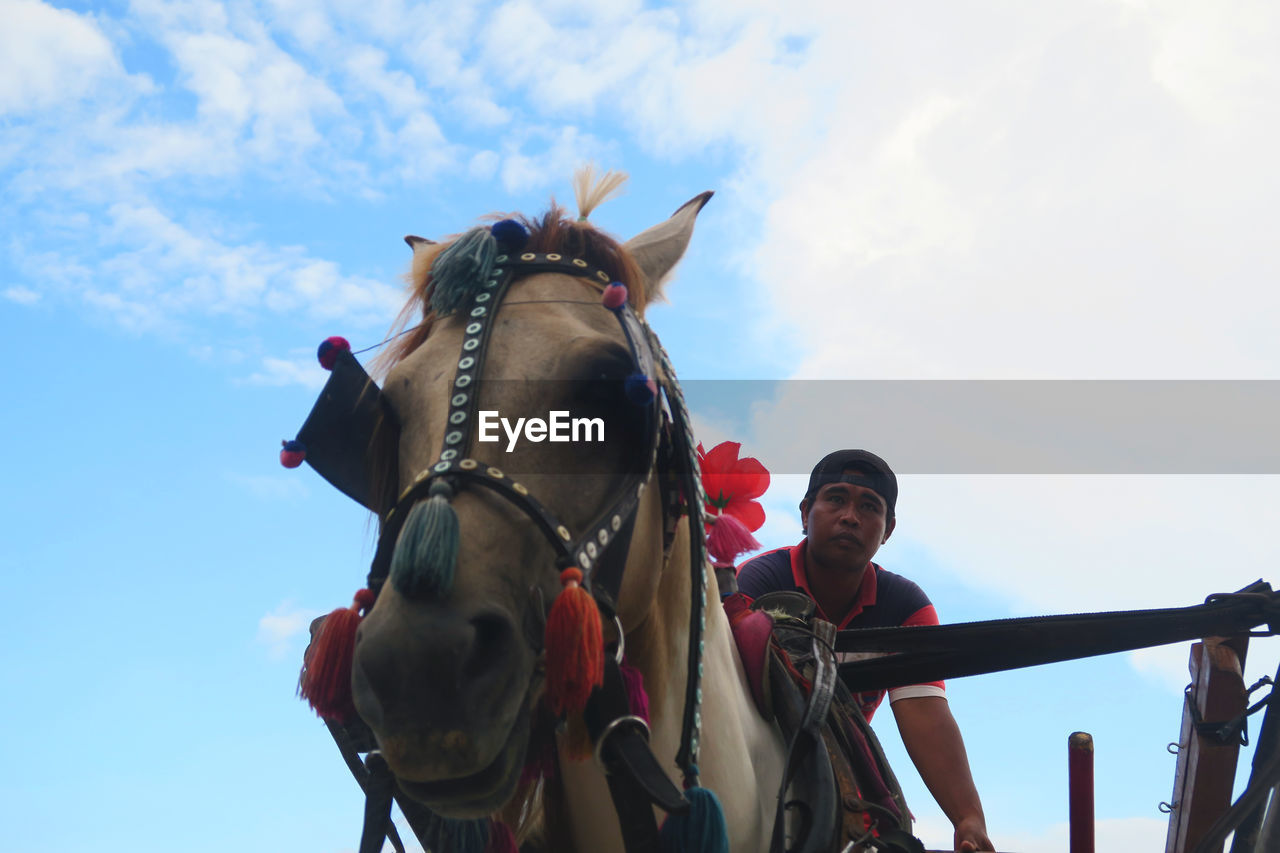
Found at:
<point>702,829</point>
<point>458,272</point>
<point>427,550</point>
<point>456,836</point>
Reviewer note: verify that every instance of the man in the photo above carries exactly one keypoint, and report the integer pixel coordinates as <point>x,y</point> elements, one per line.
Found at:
<point>847,514</point>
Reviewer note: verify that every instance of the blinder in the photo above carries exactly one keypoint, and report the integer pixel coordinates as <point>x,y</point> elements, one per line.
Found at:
<point>348,417</point>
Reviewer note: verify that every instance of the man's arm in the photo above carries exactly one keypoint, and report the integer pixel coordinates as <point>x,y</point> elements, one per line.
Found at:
<point>933,741</point>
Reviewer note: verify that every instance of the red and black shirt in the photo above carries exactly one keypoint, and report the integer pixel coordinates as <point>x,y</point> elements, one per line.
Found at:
<point>885,600</point>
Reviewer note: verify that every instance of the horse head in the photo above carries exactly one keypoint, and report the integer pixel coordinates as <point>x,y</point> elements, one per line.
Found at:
<point>449,665</point>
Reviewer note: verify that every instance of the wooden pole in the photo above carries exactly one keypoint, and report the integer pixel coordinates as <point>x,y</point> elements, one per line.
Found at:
<point>1080,791</point>
<point>1206,768</point>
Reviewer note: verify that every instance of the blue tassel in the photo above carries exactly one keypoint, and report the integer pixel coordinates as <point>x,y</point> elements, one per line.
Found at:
<point>427,550</point>
<point>700,830</point>
<point>459,270</point>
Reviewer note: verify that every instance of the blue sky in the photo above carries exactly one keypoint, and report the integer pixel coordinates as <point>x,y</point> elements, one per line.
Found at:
<point>196,193</point>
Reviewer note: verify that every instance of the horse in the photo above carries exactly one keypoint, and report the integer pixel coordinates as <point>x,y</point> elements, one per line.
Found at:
<point>451,664</point>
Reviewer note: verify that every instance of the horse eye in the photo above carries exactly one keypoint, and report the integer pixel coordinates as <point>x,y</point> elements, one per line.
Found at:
<point>601,393</point>
<point>601,382</point>
<point>613,365</point>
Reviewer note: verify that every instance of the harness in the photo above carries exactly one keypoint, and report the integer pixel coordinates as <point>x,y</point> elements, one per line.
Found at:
<point>349,413</point>
<point>335,440</point>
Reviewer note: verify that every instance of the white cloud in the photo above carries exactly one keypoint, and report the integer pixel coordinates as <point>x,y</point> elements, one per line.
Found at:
<point>1115,835</point>
<point>1213,58</point>
<point>1028,202</point>
<point>279,372</point>
<point>561,152</point>
<point>367,67</point>
<point>21,295</point>
<point>50,56</point>
<point>274,487</point>
<point>150,271</point>
<point>253,87</point>
<point>283,629</point>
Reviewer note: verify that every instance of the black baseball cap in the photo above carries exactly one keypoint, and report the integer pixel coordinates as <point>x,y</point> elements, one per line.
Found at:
<point>878,475</point>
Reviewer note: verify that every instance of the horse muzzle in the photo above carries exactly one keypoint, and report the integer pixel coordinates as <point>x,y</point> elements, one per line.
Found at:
<point>441,691</point>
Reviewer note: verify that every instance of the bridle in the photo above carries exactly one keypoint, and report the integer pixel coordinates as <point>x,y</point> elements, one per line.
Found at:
<point>636,779</point>
<point>600,550</point>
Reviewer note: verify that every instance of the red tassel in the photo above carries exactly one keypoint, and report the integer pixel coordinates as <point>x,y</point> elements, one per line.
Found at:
<point>575,647</point>
<point>729,539</point>
<point>326,670</point>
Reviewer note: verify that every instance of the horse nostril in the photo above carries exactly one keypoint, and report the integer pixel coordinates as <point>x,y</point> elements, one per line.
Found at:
<point>494,635</point>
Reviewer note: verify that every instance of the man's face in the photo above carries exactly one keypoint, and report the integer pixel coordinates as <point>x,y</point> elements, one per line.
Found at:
<point>846,525</point>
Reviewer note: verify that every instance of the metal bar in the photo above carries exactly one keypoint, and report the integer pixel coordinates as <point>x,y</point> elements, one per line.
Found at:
<point>350,754</point>
<point>1206,769</point>
<point>1264,770</point>
<point>1269,837</point>
<point>1080,791</point>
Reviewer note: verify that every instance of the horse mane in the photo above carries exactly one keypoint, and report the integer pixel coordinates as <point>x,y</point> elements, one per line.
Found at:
<point>554,231</point>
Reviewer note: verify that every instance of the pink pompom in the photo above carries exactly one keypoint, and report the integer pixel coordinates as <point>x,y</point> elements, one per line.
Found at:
<point>729,539</point>
<point>637,697</point>
<point>329,349</point>
<point>292,453</point>
<point>615,296</point>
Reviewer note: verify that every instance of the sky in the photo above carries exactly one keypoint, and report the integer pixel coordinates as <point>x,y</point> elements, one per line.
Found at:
<point>196,193</point>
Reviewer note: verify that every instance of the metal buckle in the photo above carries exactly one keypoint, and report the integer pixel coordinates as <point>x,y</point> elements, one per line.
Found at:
<point>609,729</point>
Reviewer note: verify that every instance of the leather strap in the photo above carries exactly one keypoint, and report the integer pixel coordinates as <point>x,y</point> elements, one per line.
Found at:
<point>379,787</point>
<point>808,771</point>
<point>926,653</point>
<point>636,780</point>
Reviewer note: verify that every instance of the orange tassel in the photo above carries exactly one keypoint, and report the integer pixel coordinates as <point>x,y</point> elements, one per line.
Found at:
<point>575,647</point>
<point>326,671</point>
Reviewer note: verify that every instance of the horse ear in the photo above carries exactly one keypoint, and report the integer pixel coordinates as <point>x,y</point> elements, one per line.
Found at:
<point>424,252</point>
<point>657,250</point>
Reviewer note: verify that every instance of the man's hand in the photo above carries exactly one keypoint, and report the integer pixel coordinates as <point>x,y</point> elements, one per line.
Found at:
<point>971,836</point>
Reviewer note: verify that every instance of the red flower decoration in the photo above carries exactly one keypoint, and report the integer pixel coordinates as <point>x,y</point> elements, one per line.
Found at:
<point>732,483</point>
